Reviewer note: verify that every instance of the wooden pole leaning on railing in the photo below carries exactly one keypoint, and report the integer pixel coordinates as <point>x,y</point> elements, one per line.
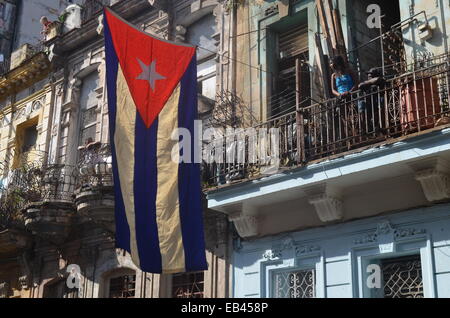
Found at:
<point>299,114</point>
<point>324,26</point>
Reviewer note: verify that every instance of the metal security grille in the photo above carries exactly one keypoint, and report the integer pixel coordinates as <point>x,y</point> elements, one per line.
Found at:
<point>295,284</point>
<point>188,285</point>
<point>122,287</point>
<point>402,277</point>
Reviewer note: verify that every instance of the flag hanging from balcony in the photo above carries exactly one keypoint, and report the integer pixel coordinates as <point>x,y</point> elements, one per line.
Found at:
<point>152,90</point>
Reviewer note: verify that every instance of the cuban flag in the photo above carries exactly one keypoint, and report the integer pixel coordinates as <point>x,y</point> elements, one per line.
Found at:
<point>152,90</point>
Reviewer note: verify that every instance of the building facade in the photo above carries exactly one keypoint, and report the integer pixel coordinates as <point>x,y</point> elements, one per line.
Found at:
<point>57,210</point>
<point>350,198</point>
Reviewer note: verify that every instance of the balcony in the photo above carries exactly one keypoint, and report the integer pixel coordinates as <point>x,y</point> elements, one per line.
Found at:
<point>27,65</point>
<point>398,108</point>
<point>94,196</point>
<point>49,213</point>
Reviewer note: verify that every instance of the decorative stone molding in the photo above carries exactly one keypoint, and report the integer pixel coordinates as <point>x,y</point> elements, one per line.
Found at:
<point>433,175</point>
<point>246,225</point>
<point>306,249</point>
<point>386,236</point>
<point>100,24</point>
<point>180,33</point>
<point>271,255</point>
<point>289,244</point>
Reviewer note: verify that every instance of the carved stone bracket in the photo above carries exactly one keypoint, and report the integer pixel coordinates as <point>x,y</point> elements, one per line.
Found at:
<point>327,202</point>
<point>434,177</point>
<point>435,184</point>
<point>246,225</point>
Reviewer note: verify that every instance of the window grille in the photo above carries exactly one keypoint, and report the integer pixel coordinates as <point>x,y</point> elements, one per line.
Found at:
<point>402,277</point>
<point>188,285</point>
<point>295,284</point>
<point>122,287</point>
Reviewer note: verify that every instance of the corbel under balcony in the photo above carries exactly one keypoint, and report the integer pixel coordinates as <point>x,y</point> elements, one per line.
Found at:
<point>246,225</point>
<point>245,219</point>
<point>327,202</point>
<point>434,177</point>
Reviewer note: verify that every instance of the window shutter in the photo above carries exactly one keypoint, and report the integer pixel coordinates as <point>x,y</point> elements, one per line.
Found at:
<point>293,42</point>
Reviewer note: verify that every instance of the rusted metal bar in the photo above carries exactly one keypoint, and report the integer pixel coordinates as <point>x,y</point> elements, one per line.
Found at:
<point>299,116</point>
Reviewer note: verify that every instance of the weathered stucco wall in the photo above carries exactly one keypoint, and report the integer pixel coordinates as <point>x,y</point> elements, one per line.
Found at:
<point>438,16</point>
<point>29,28</point>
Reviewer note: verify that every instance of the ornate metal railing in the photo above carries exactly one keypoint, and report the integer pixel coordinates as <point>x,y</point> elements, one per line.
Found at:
<point>95,166</point>
<point>19,186</point>
<point>412,102</point>
<point>34,181</point>
<point>58,183</point>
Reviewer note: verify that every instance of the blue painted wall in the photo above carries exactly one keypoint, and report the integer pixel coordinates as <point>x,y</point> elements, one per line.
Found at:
<point>340,253</point>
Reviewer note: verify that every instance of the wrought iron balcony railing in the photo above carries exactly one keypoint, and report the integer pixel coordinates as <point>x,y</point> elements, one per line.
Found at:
<point>95,166</point>
<point>413,102</point>
<point>35,182</point>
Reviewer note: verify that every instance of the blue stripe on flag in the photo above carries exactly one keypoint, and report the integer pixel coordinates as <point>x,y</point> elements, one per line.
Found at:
<point>145,189</point>
<point>189,186</point>
<point>112,65</point>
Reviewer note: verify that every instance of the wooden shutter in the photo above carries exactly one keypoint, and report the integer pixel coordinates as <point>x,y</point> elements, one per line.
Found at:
<point>293,42</point>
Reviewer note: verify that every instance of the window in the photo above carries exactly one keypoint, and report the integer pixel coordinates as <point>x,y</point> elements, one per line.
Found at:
<point>26,143</point>
<point>30,138</point>
<point>294,284</point>
<point>201,33</point>
<point>402,277</point>
<point>88,106</point>
<point>188,285</point>
<point>290,59</point>
<point>122,286</point>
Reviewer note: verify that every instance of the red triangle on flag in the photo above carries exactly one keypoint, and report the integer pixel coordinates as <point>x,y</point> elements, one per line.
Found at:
<point>152,67</point>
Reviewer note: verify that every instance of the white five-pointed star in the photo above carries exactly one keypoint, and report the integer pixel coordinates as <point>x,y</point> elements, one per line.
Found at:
<point>149,73</point>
